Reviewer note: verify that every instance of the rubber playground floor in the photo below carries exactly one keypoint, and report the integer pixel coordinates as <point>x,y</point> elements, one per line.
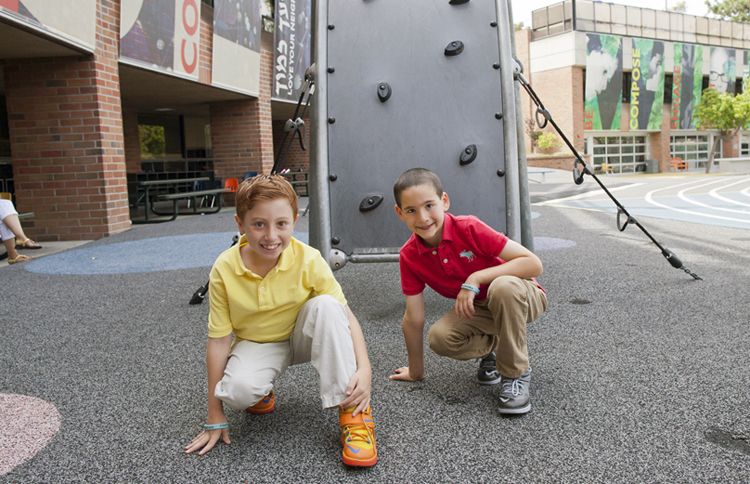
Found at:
<point>640,374</point>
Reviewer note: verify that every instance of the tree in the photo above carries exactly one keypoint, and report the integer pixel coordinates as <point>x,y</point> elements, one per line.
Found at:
<point>679,7</point>
<point>153,140</point>
<point>736,10</point>
<point>724,112</point>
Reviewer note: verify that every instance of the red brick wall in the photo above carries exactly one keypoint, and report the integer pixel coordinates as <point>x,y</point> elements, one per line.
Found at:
<point>132,141</point>
<point>293,157</point>
<point>241,131</point>
<point>67,139</point>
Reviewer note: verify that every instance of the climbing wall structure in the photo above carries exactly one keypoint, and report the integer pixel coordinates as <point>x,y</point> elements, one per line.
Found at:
<point>403,84</point>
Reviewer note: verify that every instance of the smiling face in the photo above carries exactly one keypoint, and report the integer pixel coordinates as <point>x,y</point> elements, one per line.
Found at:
<point>423,212</point>
<point>268,227</point>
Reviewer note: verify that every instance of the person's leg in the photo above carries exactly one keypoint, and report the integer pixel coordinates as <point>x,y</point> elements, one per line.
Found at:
<point>321,336</point>
<point>513,303</point>
<point>463,339</point>
<point>9,240</point>
<point>251,371</point>
<point>14,225</point>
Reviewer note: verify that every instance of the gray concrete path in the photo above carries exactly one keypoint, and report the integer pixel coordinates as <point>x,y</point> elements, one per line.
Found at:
<point>640,373</point>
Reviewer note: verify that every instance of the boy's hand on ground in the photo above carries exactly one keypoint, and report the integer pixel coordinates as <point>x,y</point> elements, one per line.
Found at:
<point>206,440</point>
<point>358,391</point>
<point>402,374</point>
<point>465,304</point>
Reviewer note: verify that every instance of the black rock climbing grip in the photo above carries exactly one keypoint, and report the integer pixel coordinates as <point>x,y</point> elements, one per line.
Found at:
<point>468,155</point>
<point>454,48</point>
<point>384,91</point>
<point>370,202</point>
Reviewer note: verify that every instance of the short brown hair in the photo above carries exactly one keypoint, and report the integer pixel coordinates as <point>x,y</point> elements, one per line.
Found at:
<point>264,188</point>
<point>413,177</point>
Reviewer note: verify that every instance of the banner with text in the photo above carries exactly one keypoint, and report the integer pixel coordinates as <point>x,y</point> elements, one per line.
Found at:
<point>603,103</point>
<point>236,59</point>
<point>687,83</point>
<point>647,84</point>
<point>161,34</point>
<point>291,47</point>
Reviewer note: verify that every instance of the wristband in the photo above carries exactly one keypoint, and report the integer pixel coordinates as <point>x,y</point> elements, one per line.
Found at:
<point>216,426</point>
<point>470,287</point>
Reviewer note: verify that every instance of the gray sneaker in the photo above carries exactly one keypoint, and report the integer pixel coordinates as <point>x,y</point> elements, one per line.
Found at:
<point>487,373</point>
<point>514,395</point>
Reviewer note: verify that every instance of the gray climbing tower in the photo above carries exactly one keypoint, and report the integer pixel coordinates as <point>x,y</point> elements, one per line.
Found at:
<point>401,84</point>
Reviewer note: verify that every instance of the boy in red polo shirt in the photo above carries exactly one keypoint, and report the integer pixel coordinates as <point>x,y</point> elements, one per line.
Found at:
<point>491,278</point>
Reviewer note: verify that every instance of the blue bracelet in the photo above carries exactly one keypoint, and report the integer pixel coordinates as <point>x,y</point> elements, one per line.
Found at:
<point>470,287</point>
<point>216,426</point>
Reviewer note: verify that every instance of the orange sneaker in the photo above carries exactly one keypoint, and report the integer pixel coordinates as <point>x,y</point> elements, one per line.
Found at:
<point>266,405</point>
<point>359,448</point>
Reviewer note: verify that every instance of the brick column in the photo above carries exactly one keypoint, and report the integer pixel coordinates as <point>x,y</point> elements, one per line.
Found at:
<point>241,131</point>
<point>132,140</point>
<point>67,140</point>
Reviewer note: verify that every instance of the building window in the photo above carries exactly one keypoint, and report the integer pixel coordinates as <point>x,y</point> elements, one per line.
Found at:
<point>693,148</point>
<point>668,89</point>
<point>617,154</point>
<point>745,143</point>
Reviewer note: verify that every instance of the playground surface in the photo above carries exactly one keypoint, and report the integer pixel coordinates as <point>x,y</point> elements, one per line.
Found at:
<point>640,374</point>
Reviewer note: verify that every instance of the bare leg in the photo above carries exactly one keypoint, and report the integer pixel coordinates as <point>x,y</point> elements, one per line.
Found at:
<point>10,246</point>
<point>12,222</point>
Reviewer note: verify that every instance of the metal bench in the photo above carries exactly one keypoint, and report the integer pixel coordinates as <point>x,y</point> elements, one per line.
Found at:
<point>299,181</point>
<point>194,196</point>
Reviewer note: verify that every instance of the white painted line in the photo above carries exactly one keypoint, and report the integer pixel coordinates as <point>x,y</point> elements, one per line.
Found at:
<point>714,193</point>
<point>650,199</point>
<point>682,196</point>
<point>588,194</point>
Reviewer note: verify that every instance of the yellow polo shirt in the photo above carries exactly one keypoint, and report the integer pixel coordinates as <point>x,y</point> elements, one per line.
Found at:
<point>264,309</point>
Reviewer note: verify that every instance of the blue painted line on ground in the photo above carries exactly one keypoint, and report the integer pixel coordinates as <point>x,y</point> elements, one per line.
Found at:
<point>155,254</point>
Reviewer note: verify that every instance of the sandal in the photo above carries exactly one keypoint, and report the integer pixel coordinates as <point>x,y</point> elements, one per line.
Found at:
<point>27,244</point>
<point>20,258</point>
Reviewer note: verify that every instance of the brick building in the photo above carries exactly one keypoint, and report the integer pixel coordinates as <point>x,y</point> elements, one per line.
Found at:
<point>554,54</point>
<point>79,94</point>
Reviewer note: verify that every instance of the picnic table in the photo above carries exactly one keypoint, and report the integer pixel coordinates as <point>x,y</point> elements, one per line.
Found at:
<point>176,189</point>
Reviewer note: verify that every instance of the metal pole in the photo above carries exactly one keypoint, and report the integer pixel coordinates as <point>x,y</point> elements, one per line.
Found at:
<point>507,87</point>
<point>527,236</point>
<point>320,210</point>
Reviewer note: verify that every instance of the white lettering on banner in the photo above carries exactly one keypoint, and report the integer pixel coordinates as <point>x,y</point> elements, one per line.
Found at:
<point>187,36</point>
<point>286,48</point>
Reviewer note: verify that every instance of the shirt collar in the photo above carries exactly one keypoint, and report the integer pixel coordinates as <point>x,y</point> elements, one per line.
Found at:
<point>448,235</point>
<point>286,261</point>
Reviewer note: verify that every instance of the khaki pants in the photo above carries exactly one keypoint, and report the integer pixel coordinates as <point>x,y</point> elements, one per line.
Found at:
<point>499,324</point>
<point>321,336</point>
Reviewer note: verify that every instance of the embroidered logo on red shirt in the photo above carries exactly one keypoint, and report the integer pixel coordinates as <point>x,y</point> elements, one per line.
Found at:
<point>468,254</point>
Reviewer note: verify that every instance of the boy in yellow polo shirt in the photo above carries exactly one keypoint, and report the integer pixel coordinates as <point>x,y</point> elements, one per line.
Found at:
<point>276,297</point>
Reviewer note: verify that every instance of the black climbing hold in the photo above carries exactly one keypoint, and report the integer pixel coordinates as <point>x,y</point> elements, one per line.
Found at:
<point>498,115</point>
<point>454,48</point>
<point>331,120</point>
<point>331,26</point>
<point>335,240</point>
<point>501,173</point>
<point>468,155</point>
<point>331,70</point>
<point>333,177</point>
<point>496,65</point>
<point>458,2</point>
<point>493,24</point>
<point>370,202</point>
<point>384,91</point>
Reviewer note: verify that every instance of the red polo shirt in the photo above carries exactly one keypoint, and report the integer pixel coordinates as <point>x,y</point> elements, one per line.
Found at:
<point>468,245</point>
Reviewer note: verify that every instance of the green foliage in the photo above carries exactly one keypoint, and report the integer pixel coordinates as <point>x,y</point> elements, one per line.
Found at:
<point>153,140</point>
<point>548,142</point>
<point>736,10</point>
<point>723,111</point>
<point>679,7</point>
